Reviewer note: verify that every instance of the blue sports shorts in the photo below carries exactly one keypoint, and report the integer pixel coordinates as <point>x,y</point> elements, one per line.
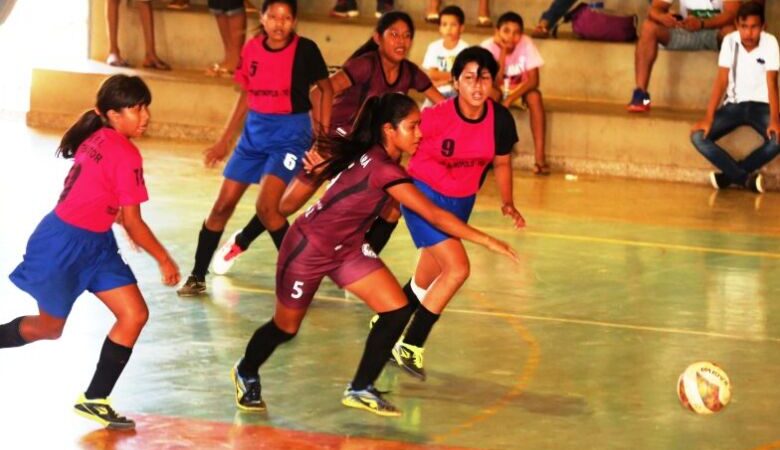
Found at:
<point>62,261</point>
<point>423,233</point>
<point>271,144</point>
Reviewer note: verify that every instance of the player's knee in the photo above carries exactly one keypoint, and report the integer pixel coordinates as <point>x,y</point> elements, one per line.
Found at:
<point>269,213</point>
<point>222,211</point>
<point>50,332</point>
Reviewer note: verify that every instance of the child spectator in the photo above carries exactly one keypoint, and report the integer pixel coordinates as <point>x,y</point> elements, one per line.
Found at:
<point>700,25</point>
<point>517,82</point>
<point>442,52</point>
<point>747,74</point>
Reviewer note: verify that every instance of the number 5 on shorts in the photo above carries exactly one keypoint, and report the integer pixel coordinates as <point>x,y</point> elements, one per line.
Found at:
<point>289,161</point>
<point>297,291</point>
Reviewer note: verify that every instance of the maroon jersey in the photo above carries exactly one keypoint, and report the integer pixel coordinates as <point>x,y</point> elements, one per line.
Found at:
<point>368,80</point>
<point>340,219</point>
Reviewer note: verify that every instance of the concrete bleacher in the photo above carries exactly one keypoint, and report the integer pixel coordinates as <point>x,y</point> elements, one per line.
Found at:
<point>586,85</point>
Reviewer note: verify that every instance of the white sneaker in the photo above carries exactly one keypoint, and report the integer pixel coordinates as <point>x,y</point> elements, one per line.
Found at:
<point>226,256</point>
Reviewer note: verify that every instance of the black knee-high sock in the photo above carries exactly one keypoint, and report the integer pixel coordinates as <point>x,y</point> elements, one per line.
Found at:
<point>208,241</point>
<point>113,359</point>
<point>421,326</point>
<point>278,235</point>
<point>250,232</point>
<point>260,346</point>
<point>379,233</point>
<point>10,335</point>
<point>411,297</point>
<point>381,339</point>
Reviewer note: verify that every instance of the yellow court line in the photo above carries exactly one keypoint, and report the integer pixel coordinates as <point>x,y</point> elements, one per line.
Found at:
<point>522,382</point>
<point>645,244</point>
<point>595,323</point>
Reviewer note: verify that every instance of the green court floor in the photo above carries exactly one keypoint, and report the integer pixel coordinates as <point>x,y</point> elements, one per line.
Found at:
<point>621,285</point>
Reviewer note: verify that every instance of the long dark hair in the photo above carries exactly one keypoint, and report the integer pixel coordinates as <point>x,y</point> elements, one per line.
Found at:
<point>384,22</point>
<point>115,93</point>
<point>367,132</point>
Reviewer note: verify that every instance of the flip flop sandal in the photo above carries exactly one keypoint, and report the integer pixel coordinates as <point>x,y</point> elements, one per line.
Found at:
<point>541,169</point>
<point>157,65</point>
<point>432,18</point>
<point>484,21</point>
<point>117,62</point>
<point>219,71</point>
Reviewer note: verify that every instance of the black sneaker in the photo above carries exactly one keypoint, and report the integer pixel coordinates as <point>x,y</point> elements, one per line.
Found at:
<point>192,287</point>
<point>100,411</point>
<point>248,391</point>
<point>345,9</point>
<point>719,180</point>
<point>755,183</point>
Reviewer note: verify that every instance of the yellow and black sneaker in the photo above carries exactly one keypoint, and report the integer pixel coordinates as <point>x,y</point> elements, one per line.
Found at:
<point>369,399</point>
<point>248,391</point>
<point>410,358</point>
<point>100,411</point>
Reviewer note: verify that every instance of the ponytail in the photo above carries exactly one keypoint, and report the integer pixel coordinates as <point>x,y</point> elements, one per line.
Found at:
<point>115,93</point>
<point>386,21</point>
<point>367,131</point>
<point>88,123</point>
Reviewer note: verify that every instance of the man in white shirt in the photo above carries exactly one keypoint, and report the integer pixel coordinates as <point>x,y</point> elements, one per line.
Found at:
<point>747,75</point>
<point>700,25</point>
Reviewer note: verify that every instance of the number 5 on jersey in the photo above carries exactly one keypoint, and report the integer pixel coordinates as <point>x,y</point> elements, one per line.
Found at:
<point>297,291</point>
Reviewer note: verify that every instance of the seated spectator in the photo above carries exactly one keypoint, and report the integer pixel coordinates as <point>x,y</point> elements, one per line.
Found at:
<point>517,82</point>
<point>701,25</point>
<point>441,53</point>
<point>347,9</point>
<point>550,18</point>
<point>151,60</point>
<point>747,74</point>
<point>483,16</point>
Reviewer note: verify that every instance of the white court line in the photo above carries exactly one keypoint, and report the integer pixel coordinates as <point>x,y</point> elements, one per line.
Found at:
<point>595,323</point>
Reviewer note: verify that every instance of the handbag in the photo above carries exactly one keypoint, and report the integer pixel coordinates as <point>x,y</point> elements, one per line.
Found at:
<point>596,24</point>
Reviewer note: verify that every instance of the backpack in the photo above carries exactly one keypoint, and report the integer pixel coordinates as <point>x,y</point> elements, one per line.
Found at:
<point>601,25</point>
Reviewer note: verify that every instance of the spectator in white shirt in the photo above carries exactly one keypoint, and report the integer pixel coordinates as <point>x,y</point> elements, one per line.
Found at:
<point>747,76</point>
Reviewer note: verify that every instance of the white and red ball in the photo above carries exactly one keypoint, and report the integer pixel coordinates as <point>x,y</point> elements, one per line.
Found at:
<point>704,388</point>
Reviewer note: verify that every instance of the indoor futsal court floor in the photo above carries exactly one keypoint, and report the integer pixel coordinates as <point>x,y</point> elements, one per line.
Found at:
<point>621,285</point>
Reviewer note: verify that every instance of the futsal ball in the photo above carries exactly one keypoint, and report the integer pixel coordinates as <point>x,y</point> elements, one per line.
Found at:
<point>704,388</point>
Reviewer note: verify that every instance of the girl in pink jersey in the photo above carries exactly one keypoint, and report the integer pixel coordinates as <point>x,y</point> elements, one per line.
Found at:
<point>462,137</point>
<point>276,72</point>
<point>73,248</point>
<point>328,240</point>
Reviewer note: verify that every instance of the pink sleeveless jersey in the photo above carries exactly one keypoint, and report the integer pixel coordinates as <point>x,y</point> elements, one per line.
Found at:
<point>266,75</point>
<point>107,173</point>
<point>454,151</point>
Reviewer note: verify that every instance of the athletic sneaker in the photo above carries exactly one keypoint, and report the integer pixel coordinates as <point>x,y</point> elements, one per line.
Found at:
<point>755,183</point>
<point>719,180</point>
<point>640,101</point>
<point>369,399</point>
<point>248,391</point>
<point>100,411</point>
<point>226,256</point>
<point>410,358</point>
<point>345,9</point>
<point>192,287</point>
